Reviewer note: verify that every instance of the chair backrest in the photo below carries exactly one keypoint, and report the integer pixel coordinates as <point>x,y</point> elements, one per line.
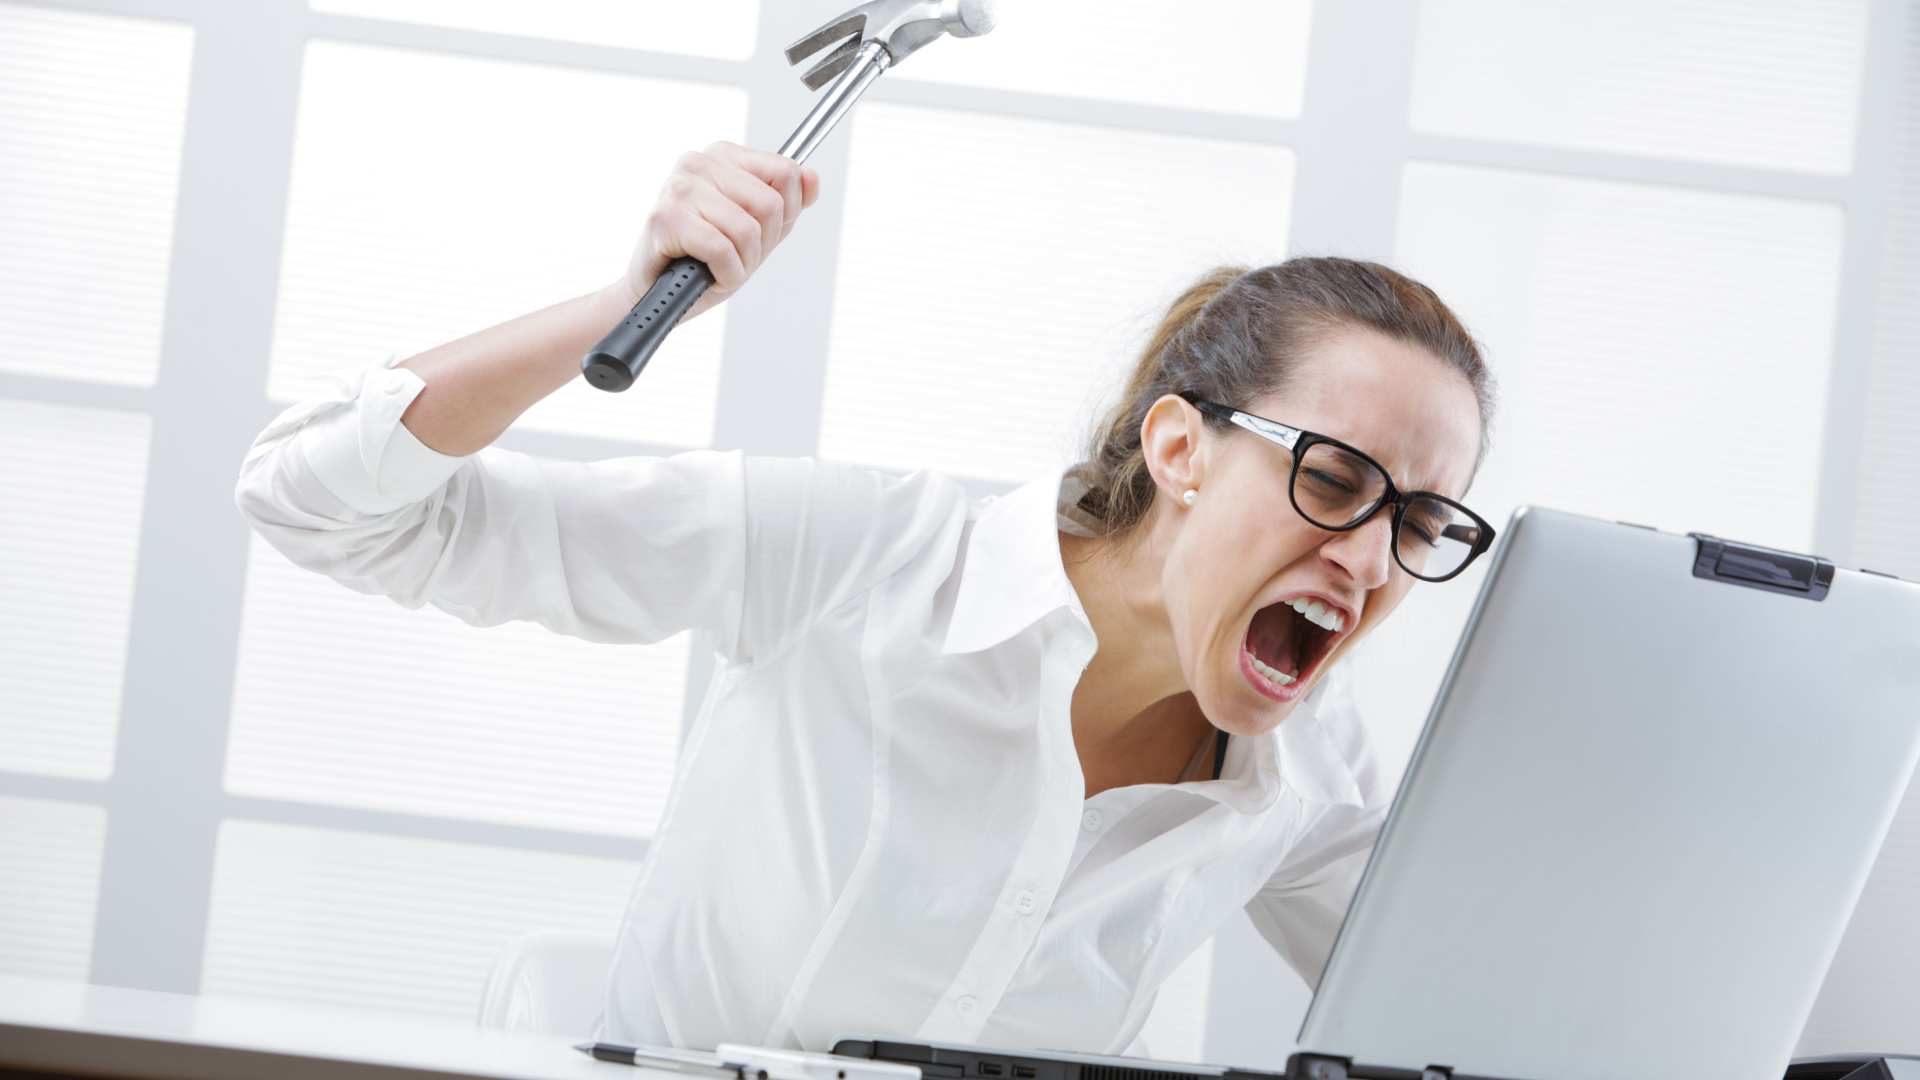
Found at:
<point>551,982</point>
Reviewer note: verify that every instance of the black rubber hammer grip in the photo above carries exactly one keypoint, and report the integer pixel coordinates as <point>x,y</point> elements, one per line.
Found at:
<point>616,361</point>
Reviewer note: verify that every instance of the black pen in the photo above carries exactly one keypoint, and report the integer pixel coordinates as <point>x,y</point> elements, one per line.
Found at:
<point>690,1062</point>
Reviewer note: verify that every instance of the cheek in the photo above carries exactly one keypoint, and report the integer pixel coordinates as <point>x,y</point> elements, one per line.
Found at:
<point>1225,559</point>
<point>1382,601</point>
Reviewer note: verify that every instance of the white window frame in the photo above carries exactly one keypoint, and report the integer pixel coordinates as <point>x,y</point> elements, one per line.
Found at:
<point>165,800</point>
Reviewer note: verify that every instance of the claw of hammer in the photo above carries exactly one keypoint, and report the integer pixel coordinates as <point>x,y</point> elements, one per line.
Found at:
<point>900,26</point>
<point>864,42</point>
<point>846,30</point>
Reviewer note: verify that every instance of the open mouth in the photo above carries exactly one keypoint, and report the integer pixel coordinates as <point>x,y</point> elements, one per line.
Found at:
<point>1287,640</point>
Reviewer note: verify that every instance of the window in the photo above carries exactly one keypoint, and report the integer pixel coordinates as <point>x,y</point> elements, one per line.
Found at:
<point>1686,230</point>
<point>92,108</point>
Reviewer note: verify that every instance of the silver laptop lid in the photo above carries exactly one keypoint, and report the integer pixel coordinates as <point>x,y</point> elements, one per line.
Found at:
<point>1638,818</point>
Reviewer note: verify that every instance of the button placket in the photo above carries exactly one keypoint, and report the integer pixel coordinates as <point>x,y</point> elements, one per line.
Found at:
<point>1044,856</point>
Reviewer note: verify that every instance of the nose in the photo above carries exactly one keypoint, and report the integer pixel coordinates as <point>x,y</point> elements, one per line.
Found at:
<point>1365,553</point>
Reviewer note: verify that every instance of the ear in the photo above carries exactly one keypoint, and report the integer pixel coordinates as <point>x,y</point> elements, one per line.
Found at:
<point>1170,440</point>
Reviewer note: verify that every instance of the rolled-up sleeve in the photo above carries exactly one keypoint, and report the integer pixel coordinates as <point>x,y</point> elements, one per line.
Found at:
<point>628,550</point>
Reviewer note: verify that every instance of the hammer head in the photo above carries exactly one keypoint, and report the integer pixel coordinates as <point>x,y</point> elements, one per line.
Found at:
<point>902,26</point>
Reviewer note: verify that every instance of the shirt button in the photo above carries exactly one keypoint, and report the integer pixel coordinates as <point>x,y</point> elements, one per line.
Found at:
<point>966,1006</point>
<point>396,382</point>
<point>1025,903</point>
<point>1090,821</point>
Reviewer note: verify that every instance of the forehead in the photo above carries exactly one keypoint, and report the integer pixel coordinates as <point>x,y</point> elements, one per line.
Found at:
<point>1394,402</point>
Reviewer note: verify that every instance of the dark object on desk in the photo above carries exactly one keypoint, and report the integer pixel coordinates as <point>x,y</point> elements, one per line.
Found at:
<point>948,1061</point>
<point>1856,1067</point>
<point>691,1062</point>
<point>953,1062</point>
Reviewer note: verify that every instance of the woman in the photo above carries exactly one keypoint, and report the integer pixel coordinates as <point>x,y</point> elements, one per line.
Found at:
<point>967,772</point>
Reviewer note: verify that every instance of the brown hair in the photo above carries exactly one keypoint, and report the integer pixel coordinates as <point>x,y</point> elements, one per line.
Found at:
<point>1237,335</point>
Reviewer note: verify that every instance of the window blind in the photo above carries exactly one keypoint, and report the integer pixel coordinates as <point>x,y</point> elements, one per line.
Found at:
<point>51,852</point>
<point>352,700</point>
<point>1872,992</point>
<point>996,273</point>
<point>435,195</point>
<point>1663,358</point>
<point>92,108</point>
<point>1224,56</point>
<point>1772,85</point>
<point>721,28</point>
<point>72,481</point>
<point>387,922</point>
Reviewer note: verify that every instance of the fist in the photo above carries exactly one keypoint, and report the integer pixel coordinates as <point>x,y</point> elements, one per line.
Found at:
<point>727,206</point>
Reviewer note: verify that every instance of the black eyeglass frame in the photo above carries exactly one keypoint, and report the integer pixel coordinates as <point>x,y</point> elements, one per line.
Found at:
<point>1298,441</point>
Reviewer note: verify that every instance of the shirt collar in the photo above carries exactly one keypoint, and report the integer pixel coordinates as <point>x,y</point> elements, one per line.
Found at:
<point>1013,576</point>
<point>1310,764</point>
<point>1298,756</point>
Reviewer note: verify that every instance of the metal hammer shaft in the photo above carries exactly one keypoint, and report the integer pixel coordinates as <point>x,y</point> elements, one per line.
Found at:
<point>617,360</point>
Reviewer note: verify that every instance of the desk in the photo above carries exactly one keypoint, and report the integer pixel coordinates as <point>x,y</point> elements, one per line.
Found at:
<point>58,1028</point>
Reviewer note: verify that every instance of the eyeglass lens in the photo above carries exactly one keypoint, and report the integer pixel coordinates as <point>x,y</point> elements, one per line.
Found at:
<point>1334,488</point>
<point>1435,538</point>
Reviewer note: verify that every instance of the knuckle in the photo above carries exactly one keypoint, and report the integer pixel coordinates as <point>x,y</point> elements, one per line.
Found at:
<point>680,185</point>
<point>765,203</point>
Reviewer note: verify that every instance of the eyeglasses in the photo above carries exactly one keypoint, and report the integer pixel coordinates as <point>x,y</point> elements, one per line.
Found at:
<point>1338,488</point>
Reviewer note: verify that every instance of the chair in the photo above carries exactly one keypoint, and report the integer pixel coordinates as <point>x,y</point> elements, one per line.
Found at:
<point>550,982</point>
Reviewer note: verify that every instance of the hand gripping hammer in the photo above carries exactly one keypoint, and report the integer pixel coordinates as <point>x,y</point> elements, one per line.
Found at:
<point>864,42</point>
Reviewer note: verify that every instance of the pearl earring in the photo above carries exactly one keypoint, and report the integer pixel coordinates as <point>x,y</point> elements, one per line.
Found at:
<point>1189,496</point>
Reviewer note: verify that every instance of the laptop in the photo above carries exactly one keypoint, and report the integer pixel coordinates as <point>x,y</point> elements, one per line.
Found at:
<point>1632,832</point>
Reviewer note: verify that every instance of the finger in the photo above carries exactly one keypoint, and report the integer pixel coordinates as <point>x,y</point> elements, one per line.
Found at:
<point>809,186</point>
<point>782,174</point>
<point>768,206</point>
<point>742,231</point>
<point>681,229</point>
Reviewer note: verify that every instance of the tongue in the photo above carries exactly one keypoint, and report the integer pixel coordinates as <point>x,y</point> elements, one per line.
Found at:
<point>1272,640</point>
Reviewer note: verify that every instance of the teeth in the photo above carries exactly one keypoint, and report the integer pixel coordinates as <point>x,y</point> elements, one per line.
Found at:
<point>1318,614</point>
<point>1277,676</point>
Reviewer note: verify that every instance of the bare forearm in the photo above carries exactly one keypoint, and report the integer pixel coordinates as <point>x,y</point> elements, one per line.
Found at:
<point>479,384</point>
<point>727,206</point>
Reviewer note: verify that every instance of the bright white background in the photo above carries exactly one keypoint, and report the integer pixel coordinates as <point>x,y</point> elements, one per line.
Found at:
<point>1688,232</point>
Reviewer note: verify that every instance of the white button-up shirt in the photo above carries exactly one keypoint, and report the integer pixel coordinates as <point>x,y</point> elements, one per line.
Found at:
<point>878,823</point>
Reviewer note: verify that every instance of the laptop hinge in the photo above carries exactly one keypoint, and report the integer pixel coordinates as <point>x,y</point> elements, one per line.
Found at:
<point>1317,1067</point>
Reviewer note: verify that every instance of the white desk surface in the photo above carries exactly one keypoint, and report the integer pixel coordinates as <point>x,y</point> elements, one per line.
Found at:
<point>68,1027</point>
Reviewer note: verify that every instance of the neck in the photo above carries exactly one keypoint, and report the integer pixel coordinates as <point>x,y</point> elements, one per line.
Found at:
<point>1133,720</point>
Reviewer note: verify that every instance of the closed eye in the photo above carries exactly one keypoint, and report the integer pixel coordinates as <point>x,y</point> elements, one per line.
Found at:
<point>1328,479</point>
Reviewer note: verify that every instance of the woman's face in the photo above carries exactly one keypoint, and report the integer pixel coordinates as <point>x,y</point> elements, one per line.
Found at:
<point>1241,553</point>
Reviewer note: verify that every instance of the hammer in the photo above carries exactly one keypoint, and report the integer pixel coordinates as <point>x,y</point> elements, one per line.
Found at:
<point>864,42</point>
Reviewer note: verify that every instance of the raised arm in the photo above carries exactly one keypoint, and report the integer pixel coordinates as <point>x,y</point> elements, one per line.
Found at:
<point>728,206</point>
<point>384,483</point>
